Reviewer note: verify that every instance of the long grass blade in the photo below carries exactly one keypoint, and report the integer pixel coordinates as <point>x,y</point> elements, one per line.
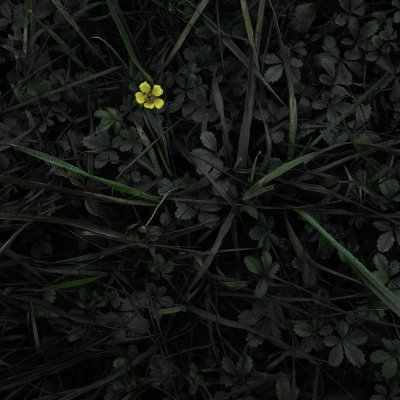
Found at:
<point>290,83</point>
<point>257,189</point>
<point>248,24</point>
<point>71,284</point>
<point>195,16</point>
<point>69,167</point>
<point>125,37</point>
<point>61,42</point>
<point>60,90</point>
<point>381,291</point>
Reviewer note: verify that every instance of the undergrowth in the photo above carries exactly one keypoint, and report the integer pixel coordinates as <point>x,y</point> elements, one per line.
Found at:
<point>228,230</point>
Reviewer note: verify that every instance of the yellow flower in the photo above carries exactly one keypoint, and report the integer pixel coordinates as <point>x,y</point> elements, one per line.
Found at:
<point>149,97</point>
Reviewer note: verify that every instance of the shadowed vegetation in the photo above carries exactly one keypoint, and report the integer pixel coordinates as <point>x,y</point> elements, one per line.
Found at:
<point>228,229</point>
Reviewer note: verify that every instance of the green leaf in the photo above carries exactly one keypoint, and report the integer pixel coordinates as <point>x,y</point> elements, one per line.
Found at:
<point>252,211</point>
<point>303,329</point>
<point>253,265</point>
<point>304,15</point>
<point>109,117</point>
<point>273,73</point>
<point>389,368</point>
<point>244,365</point>
<point>120,362</point>
<point>266,259</point>
<point>184,212</point>
<point>380,356</point>
<point>368,30</point>
<point>209,141</point>
<point>385,241</point>
<point>98,142</point>
<point>261,288</point>
<point>381,276</point>
<point>335,357</point>
<point>389,188</point>
<point>228,366</point>
<point>353,354</point>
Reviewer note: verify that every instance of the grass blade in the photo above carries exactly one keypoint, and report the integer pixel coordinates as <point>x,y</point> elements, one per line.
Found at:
<point>69,167</point>
<point>61,9</point>
<point>255,190</point>
<point>59,90</point>
<point>231,45</point>
<point>71,284</point>
<point>125,37</point>
<point>61,42</point>
<point>381,291</point>
<point>290,83</point>
<point>248,24</point>
<point>195,16</point>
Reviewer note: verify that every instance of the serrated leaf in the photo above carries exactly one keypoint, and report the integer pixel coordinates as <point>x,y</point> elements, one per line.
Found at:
<point>331,341</point>
<point>335,357</point>
<point>385,241</point>
<point>304,15</point>
<point>253,265</point>
<point>381,263</point>
<point>105,157</point>
<point>382,226</point>
<point>340,19</point>
<point>380,356</point>
<point>109,117</point>
<point>273,73</point>
<point>381,276</point>
<point>329,43</point>
<point>389,188</point>
<point>363,114</point>
<point>184,212</point>
<point>261,288</point>
<point>252,211</point>
<point>97,142</point>
<point>303,329</point>
<point>354,354</point>
<point>389,368</point>
<point>368,30</point>
<point>266,259</point>
<point>209,141</point>
<point>206,161</point>
<point>228,366</point>
<point>120,362</point>
<point>244,365</point>
<point>272,58</point>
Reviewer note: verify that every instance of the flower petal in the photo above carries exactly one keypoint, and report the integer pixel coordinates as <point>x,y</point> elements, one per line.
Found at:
<point>149,104</point>
<point>144,87</point>
<point>158,103</point>
<point>139,97</point>
<point>157,90</point>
